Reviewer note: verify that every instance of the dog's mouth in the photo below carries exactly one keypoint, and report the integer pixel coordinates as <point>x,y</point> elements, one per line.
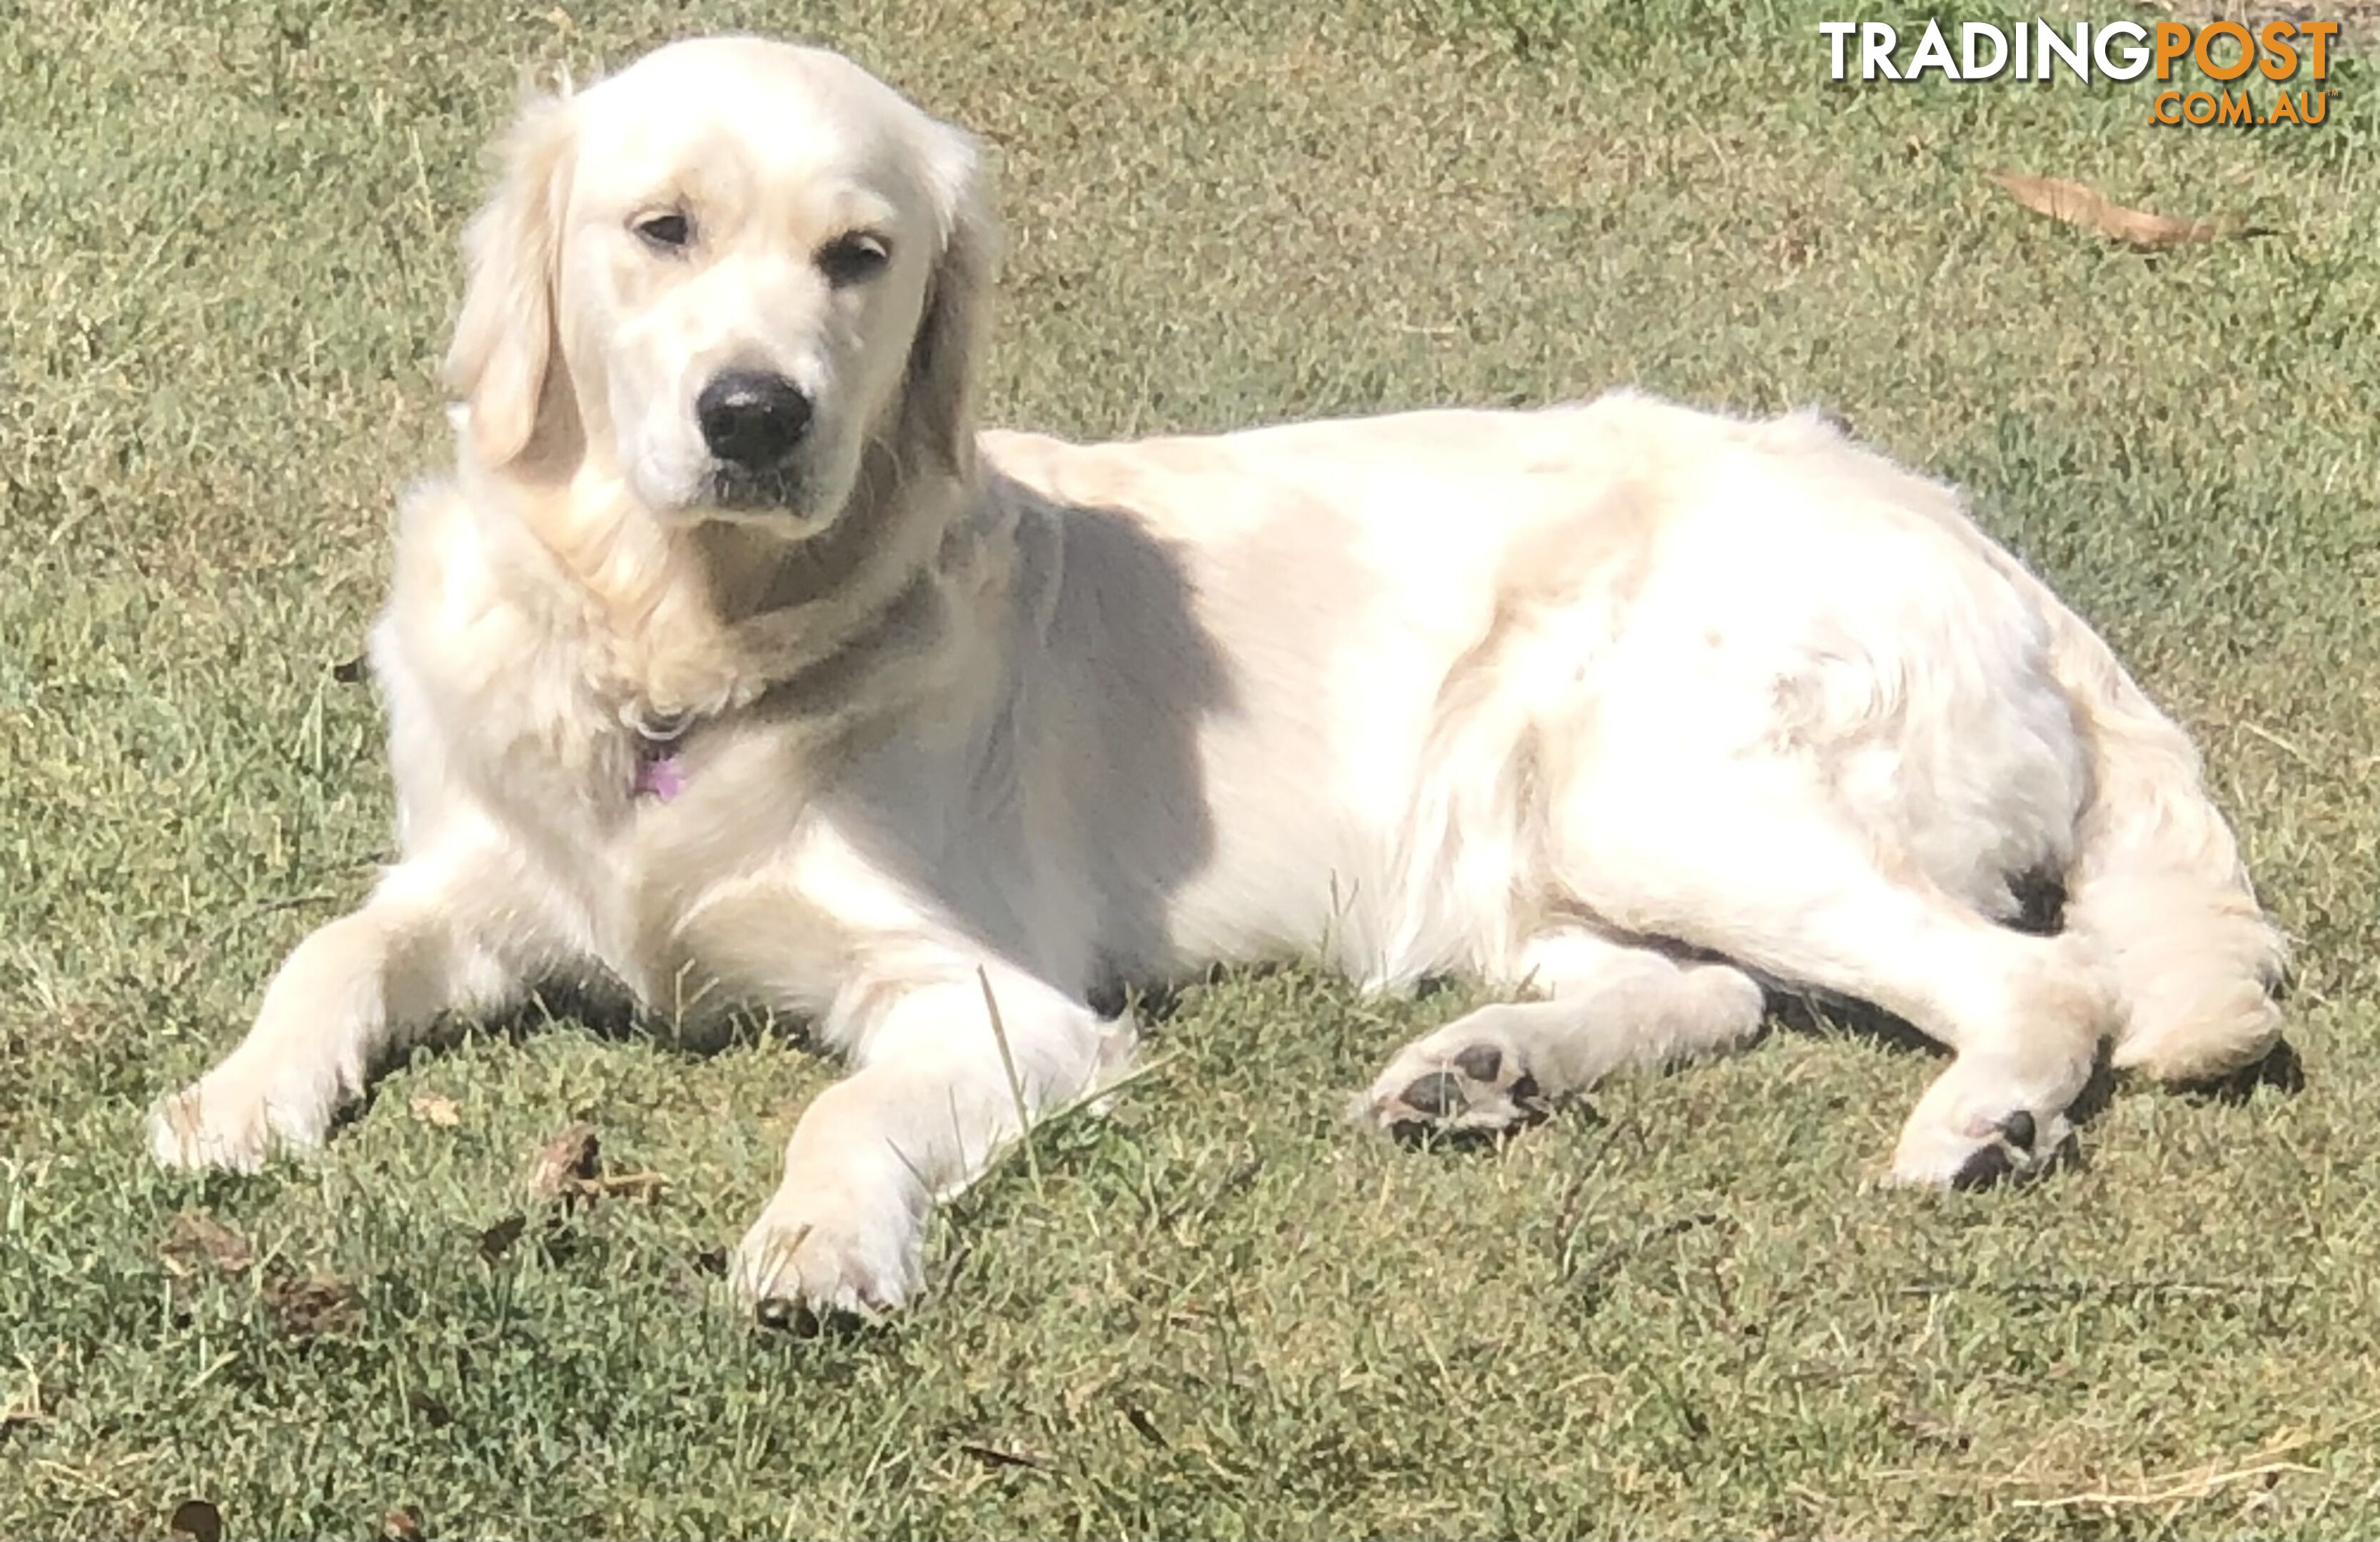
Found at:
<point>741,490</point>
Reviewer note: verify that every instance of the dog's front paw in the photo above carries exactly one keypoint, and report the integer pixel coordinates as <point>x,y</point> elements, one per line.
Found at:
<point>816,1256</point>
<point>234,1127</point>
<point>1448,1084</point>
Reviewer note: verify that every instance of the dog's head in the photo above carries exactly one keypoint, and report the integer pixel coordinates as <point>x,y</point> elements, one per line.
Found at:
<point>739,273</point>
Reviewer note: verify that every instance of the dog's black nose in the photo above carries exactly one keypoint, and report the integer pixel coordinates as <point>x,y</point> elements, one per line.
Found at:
<point>751,418</point>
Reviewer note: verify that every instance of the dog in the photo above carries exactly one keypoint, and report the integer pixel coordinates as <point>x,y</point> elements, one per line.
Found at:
<point>733,669</point>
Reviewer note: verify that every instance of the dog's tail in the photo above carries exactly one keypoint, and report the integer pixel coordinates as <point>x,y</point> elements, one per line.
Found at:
<point>2156,880</point>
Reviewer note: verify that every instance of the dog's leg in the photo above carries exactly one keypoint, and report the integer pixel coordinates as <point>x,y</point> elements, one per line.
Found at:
<point>1789,893</point>
<point>945,1080</point>
<point>1608,1005</point>
<point>355,989</point>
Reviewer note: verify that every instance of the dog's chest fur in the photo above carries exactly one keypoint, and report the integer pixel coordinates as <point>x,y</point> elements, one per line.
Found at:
<point>511,705</point>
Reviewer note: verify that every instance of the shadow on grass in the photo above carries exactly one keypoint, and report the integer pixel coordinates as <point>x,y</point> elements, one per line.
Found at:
<point>2281,1067</point>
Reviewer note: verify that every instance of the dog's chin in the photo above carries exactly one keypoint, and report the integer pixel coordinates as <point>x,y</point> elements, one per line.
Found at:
<point>745,496</point>
<point>781,500</point>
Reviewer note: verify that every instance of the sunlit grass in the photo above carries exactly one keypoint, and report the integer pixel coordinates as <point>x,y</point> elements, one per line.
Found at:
<point>228,266</point>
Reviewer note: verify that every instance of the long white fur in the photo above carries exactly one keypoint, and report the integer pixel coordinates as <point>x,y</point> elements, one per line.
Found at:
<point>1625,706</point>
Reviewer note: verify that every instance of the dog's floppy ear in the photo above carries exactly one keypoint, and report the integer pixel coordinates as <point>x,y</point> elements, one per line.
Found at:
<point>938,405</point>
<point>504,338</point>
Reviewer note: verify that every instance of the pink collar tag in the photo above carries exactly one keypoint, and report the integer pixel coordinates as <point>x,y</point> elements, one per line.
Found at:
<point>657,776</point>
<point>660,773</point>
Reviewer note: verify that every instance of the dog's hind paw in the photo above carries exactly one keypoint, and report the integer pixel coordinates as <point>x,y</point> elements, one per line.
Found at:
<point>1433,1087</point>
<point>1980,1150</point>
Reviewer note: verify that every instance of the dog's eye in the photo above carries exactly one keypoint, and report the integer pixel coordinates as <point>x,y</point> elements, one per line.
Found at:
<point>669,232</point>
<point>849,258</point>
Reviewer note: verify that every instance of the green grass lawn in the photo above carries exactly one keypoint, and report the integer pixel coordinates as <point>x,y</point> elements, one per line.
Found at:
<point>226,269</point>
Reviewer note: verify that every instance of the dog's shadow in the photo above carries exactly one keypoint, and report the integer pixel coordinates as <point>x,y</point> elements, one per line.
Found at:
<point>2280,1069</point>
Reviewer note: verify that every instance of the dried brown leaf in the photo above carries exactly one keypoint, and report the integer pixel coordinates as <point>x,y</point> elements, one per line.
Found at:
<point>199,1242</point>
<point>570,1168</point>
<point>431,1109</point>
<point>313,1305</point>
<point>402,1525</point>
<point>497,1240</point>
<point>567,1163</point>
<point>196,1520</point>
<point>2073,203</point>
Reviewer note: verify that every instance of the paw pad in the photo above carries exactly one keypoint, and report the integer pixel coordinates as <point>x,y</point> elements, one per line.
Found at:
<point>1478,1090</point>
<point>1480,1062</point>
<point>2017,1153</point>
<point>1436,1096</point>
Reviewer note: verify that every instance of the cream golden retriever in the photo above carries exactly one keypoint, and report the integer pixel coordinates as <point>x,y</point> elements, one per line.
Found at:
<point>733,668</point>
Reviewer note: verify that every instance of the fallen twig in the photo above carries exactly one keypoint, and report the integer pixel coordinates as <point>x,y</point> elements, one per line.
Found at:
<point>2195,1488</point>
<point>2095,1287</point>
<point>2086,208</point>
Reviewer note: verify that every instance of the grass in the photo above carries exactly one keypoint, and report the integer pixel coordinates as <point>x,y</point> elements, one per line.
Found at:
<point>229,235</point>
